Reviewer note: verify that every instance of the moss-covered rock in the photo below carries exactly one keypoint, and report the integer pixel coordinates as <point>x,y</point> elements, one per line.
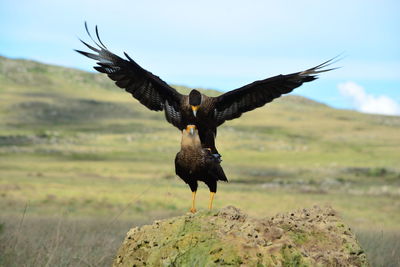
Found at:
<point>308,237</point>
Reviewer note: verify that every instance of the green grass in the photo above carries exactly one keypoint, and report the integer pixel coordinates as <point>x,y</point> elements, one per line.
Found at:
<point>382,247</point>
<point>76,149</point>
<point>59,241</point>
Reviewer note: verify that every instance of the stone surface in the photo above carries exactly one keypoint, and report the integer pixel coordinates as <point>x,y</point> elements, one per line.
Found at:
<point>308,237</point>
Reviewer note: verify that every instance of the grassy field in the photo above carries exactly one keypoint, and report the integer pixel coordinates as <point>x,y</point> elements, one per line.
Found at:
<point>81,162</point>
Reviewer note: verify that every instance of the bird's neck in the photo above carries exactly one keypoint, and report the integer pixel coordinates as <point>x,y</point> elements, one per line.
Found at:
<point>191,143</point>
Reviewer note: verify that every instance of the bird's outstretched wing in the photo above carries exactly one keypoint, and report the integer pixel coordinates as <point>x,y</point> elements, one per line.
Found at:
<point>232,104</point>
<point>149,89</point>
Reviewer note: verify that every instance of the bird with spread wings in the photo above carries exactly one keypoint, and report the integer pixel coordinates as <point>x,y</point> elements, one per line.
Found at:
<point>207,113</point>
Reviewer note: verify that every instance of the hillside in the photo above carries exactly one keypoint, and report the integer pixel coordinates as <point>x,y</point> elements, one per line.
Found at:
<point>292,132</point>
<point>72,143</point>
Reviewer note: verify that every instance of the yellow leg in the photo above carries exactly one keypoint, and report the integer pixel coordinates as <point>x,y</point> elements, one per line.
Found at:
<point>193,209</point>
<point>211,200</point>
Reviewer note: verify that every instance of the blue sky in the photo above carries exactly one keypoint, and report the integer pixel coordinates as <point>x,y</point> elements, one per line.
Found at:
<point>225,44</point>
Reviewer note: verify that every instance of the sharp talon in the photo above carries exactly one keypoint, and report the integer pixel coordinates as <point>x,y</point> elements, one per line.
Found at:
<point>217,157</point>
<point>209,149</point>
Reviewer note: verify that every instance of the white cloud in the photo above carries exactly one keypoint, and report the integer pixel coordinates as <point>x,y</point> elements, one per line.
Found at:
<point>368,103</point>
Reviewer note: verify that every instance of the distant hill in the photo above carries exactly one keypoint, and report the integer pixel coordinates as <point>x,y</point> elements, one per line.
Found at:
<point>36,97</point>
<point>42,89</point>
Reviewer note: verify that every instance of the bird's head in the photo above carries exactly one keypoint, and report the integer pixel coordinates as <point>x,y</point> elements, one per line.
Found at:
<point>190,137</point>
<point>194,100</point>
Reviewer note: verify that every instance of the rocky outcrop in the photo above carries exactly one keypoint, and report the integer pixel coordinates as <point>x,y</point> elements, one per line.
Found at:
<point>308,237</point>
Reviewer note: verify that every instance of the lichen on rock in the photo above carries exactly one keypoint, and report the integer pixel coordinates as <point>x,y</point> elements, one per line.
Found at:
<point>308,237</point>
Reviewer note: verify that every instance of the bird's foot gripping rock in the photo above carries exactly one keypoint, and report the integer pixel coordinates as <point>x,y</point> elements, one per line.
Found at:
<point>193,210</point>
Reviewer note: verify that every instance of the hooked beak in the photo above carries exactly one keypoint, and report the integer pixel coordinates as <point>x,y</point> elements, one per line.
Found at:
<point>190,129</point>
<point>194,109</point>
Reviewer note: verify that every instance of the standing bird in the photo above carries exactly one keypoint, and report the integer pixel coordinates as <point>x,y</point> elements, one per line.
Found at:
<point>207,113</point>
<point>194,163</point>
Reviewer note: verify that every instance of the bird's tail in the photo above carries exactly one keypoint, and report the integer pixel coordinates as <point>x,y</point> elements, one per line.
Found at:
<point>220,173</point>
